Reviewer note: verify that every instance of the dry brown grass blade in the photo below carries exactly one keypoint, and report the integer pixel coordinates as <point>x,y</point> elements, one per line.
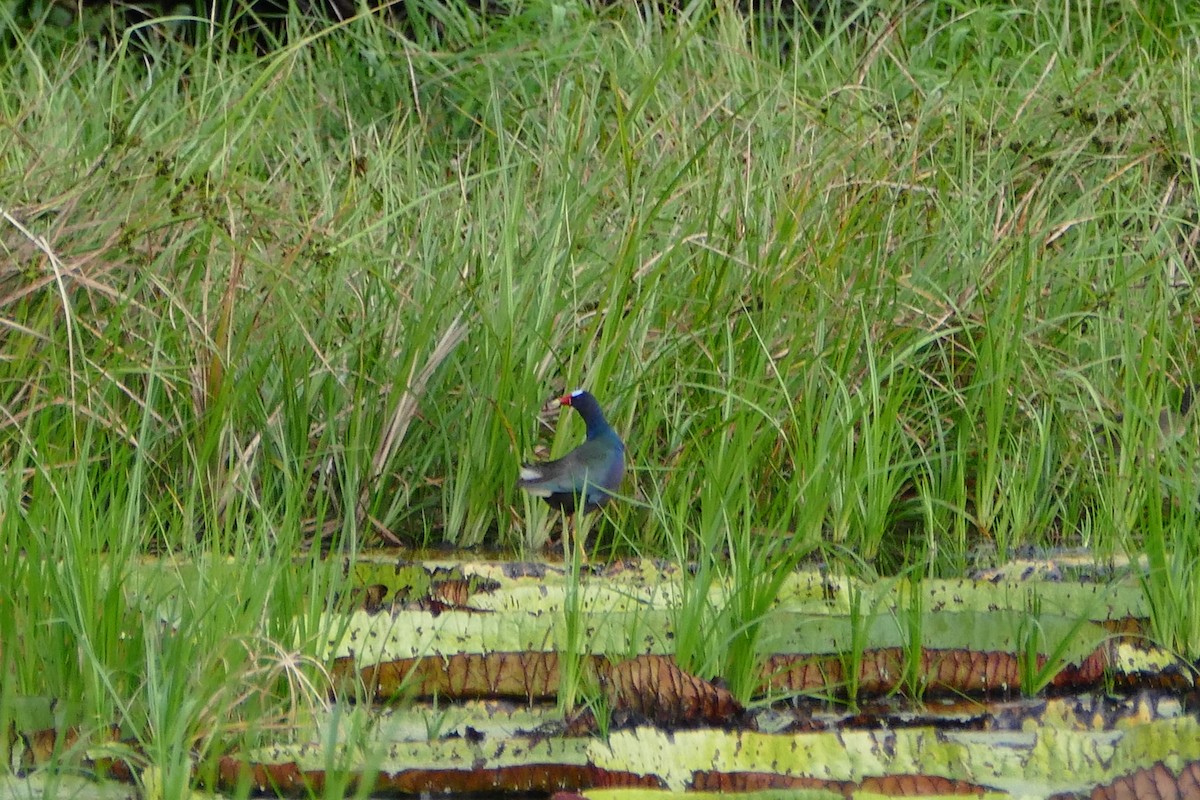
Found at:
<point>68,317</point>
<point>406,407</point>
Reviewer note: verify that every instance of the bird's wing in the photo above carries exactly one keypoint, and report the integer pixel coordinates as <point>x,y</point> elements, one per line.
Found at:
<point>583,465</point>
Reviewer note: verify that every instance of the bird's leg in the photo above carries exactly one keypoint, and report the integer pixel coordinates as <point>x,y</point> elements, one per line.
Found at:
<point>580,539</point>
<point>563,518</point>
<point>572,539</point>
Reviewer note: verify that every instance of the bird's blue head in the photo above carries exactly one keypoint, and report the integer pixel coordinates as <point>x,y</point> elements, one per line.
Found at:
<point>589,409</point>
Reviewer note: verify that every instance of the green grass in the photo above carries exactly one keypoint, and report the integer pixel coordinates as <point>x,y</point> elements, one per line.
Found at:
<point>862,288</point>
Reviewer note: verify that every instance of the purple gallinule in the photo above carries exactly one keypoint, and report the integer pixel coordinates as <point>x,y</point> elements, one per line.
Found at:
<point>592,471</point>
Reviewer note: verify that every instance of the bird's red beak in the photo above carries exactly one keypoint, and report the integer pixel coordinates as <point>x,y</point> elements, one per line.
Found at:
<point>565,400</point>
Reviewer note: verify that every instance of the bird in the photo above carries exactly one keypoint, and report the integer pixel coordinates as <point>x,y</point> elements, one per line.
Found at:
<point>591,472</point>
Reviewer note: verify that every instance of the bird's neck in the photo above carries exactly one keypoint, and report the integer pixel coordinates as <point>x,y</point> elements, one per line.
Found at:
<point>598,428</point>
